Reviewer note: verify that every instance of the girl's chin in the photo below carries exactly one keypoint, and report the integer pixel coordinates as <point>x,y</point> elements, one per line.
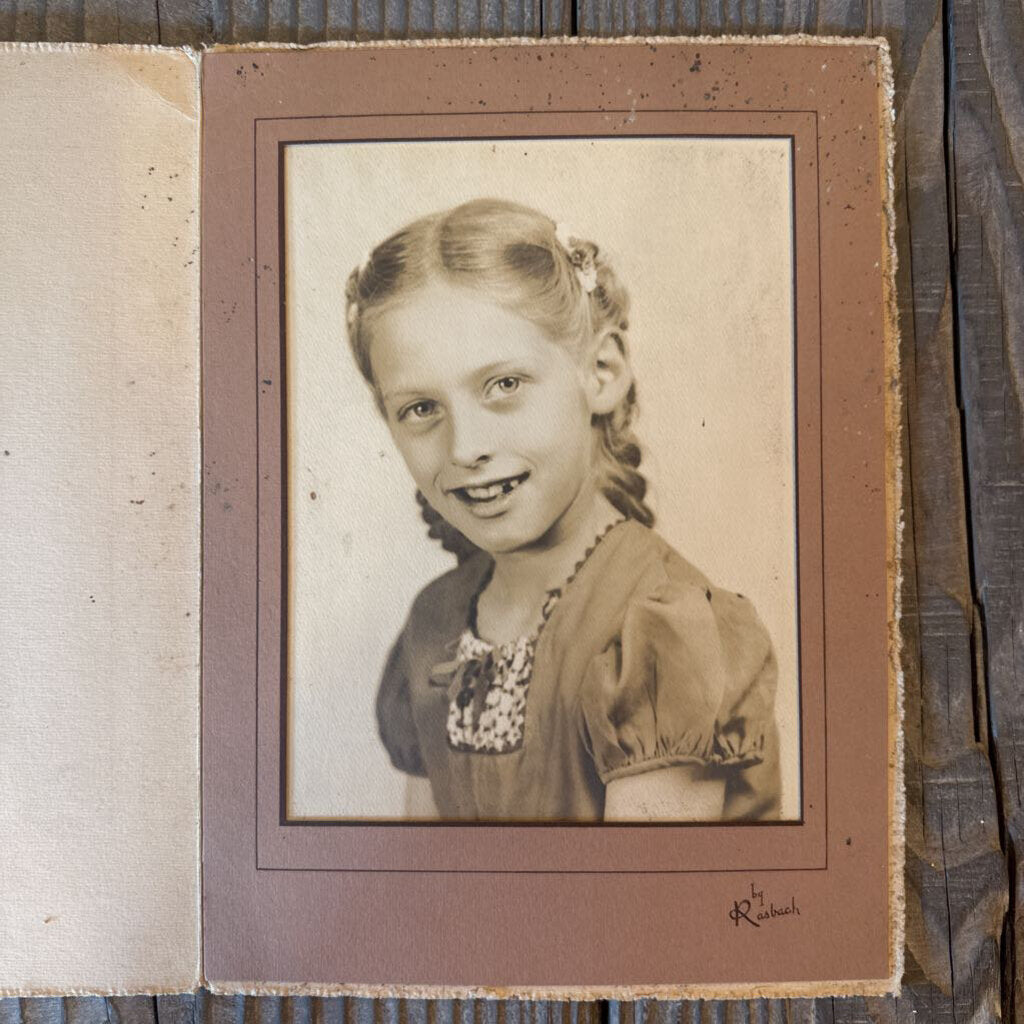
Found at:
<point>499,539</point>
<point>500,534</point>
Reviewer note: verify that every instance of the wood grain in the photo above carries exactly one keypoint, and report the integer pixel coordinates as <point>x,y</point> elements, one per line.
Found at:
<point>987,238</point>
<point>960,235</point>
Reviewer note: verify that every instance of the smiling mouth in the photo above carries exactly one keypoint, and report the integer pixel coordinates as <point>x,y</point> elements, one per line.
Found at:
<point>490,493</point>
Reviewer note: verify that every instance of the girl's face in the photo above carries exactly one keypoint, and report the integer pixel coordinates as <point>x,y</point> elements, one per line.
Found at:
<point>491,416</point>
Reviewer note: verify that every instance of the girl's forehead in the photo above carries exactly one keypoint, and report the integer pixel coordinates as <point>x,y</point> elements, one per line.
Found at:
<point>441,332</point>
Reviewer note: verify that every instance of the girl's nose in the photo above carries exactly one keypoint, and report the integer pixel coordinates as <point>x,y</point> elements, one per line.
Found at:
<point>469,443</point>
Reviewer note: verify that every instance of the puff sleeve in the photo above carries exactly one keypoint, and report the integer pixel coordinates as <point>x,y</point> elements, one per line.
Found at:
<point>394,714</point>
<point>689,680</point>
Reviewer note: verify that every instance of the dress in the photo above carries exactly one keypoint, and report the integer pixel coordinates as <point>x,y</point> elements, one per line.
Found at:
<point>641,663</point>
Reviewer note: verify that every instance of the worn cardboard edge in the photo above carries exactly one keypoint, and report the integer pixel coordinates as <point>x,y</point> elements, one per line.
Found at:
<point>44,47</point>
<point>796,39</point>
<point>567,993</point>
<point>895,524</point>
<point>193,983</point>
<point>60,992</point>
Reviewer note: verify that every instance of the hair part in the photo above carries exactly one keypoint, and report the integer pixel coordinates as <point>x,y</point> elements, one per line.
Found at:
<point>511,253</point>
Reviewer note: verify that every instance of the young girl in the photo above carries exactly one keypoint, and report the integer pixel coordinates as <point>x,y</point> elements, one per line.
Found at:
<point>573,666</point>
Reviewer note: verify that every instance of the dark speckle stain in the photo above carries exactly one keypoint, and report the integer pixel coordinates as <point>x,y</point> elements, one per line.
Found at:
<point>6,452</point>
<point>741,597</point>
<point>312,495</point>
<point>267,382</point>
<point>707,593</point>
<point>849,841</point>
<point>140,501</point>
<point>695,66</point>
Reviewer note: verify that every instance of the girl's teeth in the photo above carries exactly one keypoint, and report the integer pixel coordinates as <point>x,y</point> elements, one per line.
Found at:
<point>492,491</point>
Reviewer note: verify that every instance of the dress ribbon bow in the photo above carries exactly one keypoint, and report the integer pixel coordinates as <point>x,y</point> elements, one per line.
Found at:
<point>467,679</point>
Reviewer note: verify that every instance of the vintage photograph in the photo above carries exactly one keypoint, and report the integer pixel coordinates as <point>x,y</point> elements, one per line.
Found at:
<point>541,544</point>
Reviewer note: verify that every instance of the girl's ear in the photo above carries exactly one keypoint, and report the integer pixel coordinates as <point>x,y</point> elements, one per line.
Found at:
<point>609,375</point>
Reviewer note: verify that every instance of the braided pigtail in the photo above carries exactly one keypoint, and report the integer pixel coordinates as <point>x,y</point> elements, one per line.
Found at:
<point>439,529</point>
<point>624,486</point>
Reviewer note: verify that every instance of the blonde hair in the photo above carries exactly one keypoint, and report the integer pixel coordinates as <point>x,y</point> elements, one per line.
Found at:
<point>512,254</point>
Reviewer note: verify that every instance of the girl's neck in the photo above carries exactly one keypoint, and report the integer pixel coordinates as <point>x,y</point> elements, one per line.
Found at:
<point>510,605</point>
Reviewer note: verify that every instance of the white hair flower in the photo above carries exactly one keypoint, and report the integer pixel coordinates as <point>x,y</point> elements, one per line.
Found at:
<point>581,256</point>
<point>564,236</point>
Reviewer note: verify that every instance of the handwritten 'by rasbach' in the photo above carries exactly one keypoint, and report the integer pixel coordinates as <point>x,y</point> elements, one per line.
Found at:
<point>755,910</point>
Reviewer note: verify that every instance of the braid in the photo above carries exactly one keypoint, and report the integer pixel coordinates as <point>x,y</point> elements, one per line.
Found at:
<point>624,485</point>
<point>439,529</point>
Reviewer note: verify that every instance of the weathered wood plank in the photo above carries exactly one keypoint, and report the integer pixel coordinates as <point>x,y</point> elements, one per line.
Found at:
<point>8,18</point>
<point>556,17</point>
<point>987,149</point>
<point>953,865</point>
<point>190,22</point>
<point>211,1009</point>
<point>29,20</point>
<point>121,21</point>
<point>64,20</point>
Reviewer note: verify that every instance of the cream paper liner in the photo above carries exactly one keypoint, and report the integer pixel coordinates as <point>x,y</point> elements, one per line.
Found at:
<point>99,499</point>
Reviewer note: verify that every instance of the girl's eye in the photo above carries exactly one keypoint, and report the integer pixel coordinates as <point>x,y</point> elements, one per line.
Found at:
<point>506,385</point>
<point>421,410</point>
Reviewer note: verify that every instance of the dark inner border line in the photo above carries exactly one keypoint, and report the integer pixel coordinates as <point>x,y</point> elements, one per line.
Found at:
<point>283,737</point>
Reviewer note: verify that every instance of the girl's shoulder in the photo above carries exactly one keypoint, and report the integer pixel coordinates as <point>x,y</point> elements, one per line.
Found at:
<point>640,560</point>
<point>733,612</point>
<point>643,581</point>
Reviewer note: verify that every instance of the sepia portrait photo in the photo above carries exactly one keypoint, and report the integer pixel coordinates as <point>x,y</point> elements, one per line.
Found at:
<point>540,438</point>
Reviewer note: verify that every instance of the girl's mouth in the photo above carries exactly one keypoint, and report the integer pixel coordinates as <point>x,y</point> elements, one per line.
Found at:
<point>490,498</point>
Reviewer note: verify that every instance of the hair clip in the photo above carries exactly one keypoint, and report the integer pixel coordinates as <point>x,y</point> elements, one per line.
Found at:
<point>581,256</point>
